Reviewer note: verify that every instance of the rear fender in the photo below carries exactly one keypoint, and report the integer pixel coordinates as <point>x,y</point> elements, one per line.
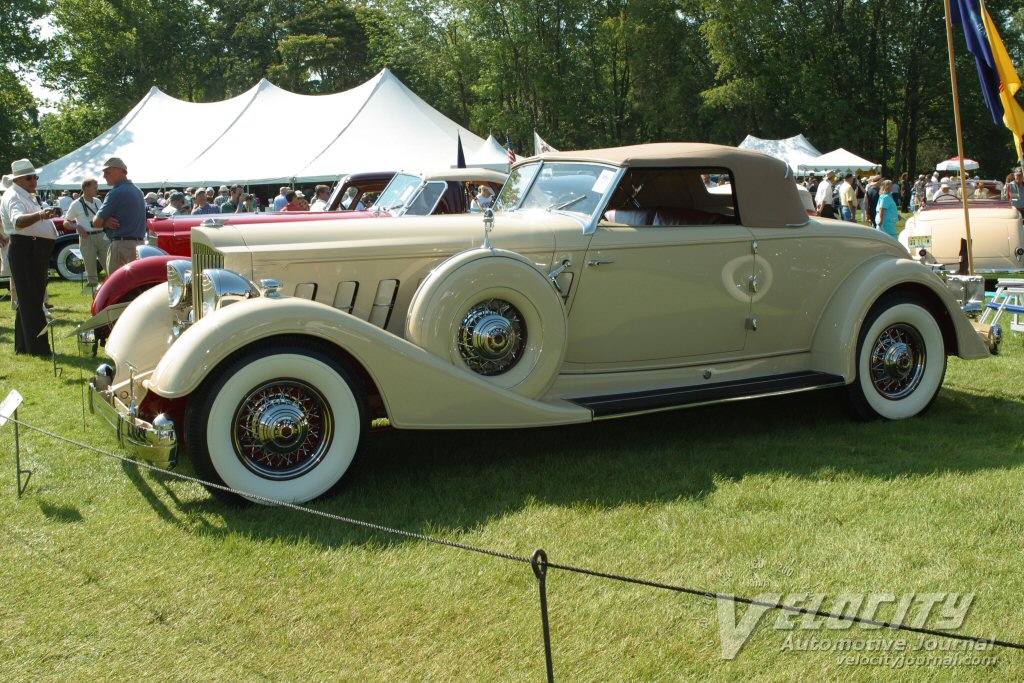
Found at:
<point>835,340</point>
<point>418,389</point>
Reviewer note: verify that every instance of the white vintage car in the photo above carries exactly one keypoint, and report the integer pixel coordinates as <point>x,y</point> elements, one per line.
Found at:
<point>607,283</point>
<point>933,235</point>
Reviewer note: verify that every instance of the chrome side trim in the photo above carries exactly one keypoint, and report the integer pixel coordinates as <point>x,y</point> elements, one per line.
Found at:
<point>733,399</point>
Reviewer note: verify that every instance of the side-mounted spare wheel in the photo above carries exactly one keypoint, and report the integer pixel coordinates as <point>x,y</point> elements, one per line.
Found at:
<point>495,314</point>
<point>901,360</point>
<point>281,422</point>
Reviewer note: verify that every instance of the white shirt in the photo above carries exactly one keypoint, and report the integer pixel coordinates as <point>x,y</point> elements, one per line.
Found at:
<point>81,212</point>
<point>824,194</point>
<point>17,203</point>
<point>319,205</point>
<point>65,202</point>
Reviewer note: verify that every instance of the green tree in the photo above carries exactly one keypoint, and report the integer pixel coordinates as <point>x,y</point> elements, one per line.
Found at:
<point>19,45</point>
<point>19,117</point>
<point>323,50</point>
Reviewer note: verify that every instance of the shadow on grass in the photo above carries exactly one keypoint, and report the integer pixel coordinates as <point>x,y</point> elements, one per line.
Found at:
<point>436,482</point>
<point>60,513</point>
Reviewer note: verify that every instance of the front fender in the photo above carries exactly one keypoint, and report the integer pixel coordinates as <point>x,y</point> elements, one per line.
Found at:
<point>419,390</point>
<point>835,340</point>
<point>144,273</point>
<point>142,333</point>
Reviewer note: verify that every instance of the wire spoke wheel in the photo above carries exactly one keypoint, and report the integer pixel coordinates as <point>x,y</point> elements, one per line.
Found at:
<point>281,420</point>
<point>898,360</point>
<point>282,429</point>
<point>492,337</point>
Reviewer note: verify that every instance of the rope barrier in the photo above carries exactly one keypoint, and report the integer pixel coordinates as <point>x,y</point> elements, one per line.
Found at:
<point>538,562</point>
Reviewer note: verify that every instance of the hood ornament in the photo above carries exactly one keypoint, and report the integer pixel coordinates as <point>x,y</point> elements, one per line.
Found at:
<point>488,226</point>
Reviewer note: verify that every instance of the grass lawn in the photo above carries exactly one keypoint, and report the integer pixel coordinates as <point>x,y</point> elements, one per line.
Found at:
<point>109,573</point>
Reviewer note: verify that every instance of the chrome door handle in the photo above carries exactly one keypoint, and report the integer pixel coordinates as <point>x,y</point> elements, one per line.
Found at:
<point>599,262</point>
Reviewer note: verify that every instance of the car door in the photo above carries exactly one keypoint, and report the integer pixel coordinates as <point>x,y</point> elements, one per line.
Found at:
<point>656,296</point>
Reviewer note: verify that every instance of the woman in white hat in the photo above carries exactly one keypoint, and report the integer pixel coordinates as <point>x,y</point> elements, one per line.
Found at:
<point>32,236</point>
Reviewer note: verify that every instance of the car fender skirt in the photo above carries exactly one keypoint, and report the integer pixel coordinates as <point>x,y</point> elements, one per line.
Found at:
<point>418,388</point>
<point>834,348</point>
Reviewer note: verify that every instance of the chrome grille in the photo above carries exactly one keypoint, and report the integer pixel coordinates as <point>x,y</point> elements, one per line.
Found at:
<point>203,258</point>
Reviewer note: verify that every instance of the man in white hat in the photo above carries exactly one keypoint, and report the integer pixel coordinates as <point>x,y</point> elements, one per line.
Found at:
<point>32,235</point>
<point>222,196</point>
<point>123,215</point>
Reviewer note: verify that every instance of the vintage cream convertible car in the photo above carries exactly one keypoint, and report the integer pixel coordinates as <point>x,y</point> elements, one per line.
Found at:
<point>934,234</point>
<point>608,283</point>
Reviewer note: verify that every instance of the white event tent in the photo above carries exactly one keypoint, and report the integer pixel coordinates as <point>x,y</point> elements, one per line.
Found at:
<point>490,155</point>
<point>841,161</point>
<point>270,135</point>
<point>794,151</point>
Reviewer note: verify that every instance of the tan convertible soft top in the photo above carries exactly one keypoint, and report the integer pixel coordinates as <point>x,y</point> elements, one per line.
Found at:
<point>765,189</point>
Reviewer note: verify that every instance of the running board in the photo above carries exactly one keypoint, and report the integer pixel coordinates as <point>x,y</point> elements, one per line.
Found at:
<point>615,405</point>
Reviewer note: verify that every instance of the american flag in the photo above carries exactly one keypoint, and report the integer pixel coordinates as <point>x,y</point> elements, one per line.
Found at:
<point>511,152</point>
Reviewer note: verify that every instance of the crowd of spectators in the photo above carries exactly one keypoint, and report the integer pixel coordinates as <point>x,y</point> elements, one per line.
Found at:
<point>862,198</point>
<point>207,200</point>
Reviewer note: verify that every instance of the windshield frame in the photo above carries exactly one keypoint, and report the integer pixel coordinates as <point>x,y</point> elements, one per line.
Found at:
<point>587,222</point>
<point>399,177</point>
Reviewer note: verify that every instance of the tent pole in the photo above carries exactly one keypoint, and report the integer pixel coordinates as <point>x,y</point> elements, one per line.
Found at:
<point>959,140</point>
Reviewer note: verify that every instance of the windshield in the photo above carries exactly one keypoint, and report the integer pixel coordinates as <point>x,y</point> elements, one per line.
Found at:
<point>426,199</point>
<point>567,187</point>
<point>981,191</point>
<point>398,192</point>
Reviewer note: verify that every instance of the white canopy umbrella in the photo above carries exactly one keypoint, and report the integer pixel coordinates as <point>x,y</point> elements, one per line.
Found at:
<point>954,165</point>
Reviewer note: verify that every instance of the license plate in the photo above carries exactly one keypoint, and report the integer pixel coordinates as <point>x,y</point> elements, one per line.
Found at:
<point>924,241</point>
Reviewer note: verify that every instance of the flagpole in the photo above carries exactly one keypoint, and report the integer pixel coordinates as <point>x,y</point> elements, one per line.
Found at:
<point>959,139</point>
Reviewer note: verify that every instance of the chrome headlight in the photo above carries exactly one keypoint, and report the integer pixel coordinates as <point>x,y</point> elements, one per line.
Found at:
<point>222,287</point>
<point>179,284</point>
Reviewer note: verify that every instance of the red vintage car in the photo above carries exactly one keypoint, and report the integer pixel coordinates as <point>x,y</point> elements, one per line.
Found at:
<point>393,194</point>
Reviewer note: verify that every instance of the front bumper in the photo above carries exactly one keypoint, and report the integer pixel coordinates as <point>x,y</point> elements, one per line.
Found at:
<point>155,443</point>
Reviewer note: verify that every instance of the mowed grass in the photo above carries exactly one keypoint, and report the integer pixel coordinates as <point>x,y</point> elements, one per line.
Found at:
<point>112,573</point>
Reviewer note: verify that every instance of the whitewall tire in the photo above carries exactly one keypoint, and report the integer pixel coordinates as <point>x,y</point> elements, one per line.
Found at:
<point>901,360</point>
<point>69,266</point>
<point>282,423</point>
<point>493,313</point>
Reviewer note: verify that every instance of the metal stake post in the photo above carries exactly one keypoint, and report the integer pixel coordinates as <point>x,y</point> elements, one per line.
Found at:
<point>17,458</point>
<point>9,409</point>
<point>53,350</point>
<point>539,563</point>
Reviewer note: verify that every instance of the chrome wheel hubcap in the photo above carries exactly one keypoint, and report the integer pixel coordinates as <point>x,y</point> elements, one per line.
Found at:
<point>492,337</point>
<point>282,429</point>
<point>897,361</point>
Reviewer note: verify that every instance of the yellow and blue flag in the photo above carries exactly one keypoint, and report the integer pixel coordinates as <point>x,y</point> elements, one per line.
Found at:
<point>1009,81</point>
<point>969,14</point>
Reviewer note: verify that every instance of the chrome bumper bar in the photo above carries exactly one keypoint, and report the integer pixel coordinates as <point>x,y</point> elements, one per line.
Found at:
<point>156,444</point>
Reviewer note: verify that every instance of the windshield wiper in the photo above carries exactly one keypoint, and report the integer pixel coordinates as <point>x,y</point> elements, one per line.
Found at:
<point>569,203</point>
